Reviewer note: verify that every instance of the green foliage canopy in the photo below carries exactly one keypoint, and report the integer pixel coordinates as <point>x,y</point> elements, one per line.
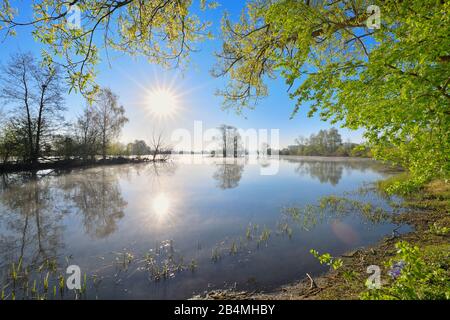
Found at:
<point>164,31</point>
<point>392,81</point>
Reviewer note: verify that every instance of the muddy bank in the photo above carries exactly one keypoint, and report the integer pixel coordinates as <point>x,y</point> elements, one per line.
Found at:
<point>422,210</point>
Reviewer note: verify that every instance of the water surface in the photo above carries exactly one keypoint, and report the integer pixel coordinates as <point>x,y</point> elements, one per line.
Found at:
<point>166,231</point>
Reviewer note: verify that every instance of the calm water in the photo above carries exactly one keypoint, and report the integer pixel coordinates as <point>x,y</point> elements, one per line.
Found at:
<point>170,231</point>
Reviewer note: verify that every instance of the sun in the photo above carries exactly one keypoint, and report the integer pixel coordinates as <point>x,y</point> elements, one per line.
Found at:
<point>162,103</point>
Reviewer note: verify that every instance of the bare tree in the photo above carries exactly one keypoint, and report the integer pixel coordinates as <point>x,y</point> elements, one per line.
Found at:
<point>35,93</point>
<point>158,146</point>
<point>49,101</point>
<point>15,89</point>
<point>109,117</point>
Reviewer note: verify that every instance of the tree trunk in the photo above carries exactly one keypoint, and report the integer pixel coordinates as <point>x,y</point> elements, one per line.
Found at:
<point>224,151</point>
<point>37,148</point>
<point>27,107</point>
<point>104,146</point>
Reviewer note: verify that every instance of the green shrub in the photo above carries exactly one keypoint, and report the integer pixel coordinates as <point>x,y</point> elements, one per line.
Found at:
<point>423,275</point>
<point>327,259</point>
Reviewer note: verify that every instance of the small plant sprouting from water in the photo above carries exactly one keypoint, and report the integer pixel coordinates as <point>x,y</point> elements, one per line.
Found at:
<point>343,206</point>
<point>61,284</point>
<point>248,233</point>
<point>264,236</point>
<point>251,231</point>
<point>84,286</point>
<point>233,248</point>
<point>284,228</point>
<point>193,265</point>
<point>46,282</point>
<point>33,289</point>
<point>215,254</point>
<point>309,216</point>
<point>164,262</point>
<point>124,259</point>
<point>39,280</point>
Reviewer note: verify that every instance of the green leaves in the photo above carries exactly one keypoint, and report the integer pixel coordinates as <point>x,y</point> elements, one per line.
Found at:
<point>162,31</point>
<point>422,274</point>
<point>327,259</point>
<point>393,82</point>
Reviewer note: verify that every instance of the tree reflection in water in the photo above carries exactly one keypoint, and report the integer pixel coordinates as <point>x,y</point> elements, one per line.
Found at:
<point>30,221</point>
<point>329,170</point>
<point>30,224</point>
<point>32,209</point>
<point>34,212</point>
<point>95,194</point>
<point>228,173</point>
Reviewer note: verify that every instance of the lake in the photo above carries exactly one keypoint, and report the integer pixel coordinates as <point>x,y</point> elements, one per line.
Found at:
<point>173,230</point>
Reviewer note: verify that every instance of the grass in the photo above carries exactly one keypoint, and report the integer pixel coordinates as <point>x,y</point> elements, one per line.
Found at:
<point>234,248</point>
<point>215,254</point>
<point>264,236</point>
<point>40,281</point>
<point>164,262</point>
<point>46,280</point>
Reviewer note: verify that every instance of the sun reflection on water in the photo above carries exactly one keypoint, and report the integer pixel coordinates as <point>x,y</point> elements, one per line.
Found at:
<point>161,204</point>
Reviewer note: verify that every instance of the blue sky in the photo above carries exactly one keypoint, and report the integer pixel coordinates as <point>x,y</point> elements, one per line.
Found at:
<point>130,77</point>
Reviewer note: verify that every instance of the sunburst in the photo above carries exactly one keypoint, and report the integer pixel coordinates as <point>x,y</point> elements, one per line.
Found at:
<point>162,102</point>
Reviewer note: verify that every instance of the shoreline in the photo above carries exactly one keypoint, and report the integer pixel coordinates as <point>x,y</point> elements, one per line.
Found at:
<point>72,163</point>
<point>424,209</point>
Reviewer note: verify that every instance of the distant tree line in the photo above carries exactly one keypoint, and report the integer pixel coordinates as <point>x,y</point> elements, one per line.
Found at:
<point>230,144</point>
<point>326,143</point>
<point>33,129</point>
